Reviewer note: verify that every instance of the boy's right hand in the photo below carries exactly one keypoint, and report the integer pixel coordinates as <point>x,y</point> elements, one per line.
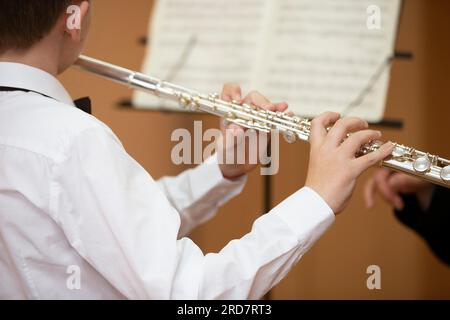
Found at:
<point>333,166</point>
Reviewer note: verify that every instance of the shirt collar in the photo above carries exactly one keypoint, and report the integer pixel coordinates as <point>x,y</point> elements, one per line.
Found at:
<point>23,76</point>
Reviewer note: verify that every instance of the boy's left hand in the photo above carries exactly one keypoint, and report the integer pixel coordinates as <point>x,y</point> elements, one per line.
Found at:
<point>232,92</point>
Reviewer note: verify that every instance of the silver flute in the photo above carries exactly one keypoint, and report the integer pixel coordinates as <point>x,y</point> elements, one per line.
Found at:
<point>403,159</point>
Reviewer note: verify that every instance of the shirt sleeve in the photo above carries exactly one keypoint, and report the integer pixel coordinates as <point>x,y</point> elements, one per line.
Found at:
<point>198,193</point>
<point>119,220</point>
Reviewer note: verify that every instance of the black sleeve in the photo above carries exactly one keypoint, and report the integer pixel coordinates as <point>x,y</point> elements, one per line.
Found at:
<point>433,224</point>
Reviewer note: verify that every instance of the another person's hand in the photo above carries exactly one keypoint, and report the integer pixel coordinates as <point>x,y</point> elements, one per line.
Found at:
<point>232,92</point>
<point>391,185</point>
<point>333,166</point>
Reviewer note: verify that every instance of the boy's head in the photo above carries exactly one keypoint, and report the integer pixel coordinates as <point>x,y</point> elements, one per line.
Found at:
<point>45,29</point>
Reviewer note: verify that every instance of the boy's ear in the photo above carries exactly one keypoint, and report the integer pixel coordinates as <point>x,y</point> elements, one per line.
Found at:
<point>75,16</point>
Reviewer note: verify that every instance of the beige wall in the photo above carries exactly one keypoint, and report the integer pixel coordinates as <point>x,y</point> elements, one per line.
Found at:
<point>336,266</point>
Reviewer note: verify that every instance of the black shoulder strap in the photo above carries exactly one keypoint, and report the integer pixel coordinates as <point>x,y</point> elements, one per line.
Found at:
<point>10,89</point>
<point>83,104</point>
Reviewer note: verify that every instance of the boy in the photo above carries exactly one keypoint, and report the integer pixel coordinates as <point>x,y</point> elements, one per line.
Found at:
<point>71,198</point>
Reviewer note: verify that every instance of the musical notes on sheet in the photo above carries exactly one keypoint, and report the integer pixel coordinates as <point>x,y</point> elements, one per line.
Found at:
<point>317,55</point>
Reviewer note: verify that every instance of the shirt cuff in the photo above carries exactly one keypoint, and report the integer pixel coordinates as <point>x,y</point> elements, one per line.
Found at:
<point>307,215</point>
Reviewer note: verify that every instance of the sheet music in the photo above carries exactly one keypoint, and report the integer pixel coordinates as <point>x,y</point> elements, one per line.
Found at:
<point>322,56</point>
<point>202,44</point>
<point>317,55</point>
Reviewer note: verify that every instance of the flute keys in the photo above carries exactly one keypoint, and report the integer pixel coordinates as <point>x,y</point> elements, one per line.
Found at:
<point>445,174</point>
<point>213,97</point>
<point>183,102</point>
<point>290,136</point>
<point>398,151</point>
<point>374,145</point>
<point>194,106</point>
<point>422,164</point>
<point>231,116</point>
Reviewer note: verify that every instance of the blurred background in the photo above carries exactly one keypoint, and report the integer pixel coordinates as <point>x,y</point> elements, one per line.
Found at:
<point>419,94</point>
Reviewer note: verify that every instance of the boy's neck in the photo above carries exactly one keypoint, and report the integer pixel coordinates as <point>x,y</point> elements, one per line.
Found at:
<point>39,56</point>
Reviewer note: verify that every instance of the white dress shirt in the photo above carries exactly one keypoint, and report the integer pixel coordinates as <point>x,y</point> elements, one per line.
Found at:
<point>80,219</point>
